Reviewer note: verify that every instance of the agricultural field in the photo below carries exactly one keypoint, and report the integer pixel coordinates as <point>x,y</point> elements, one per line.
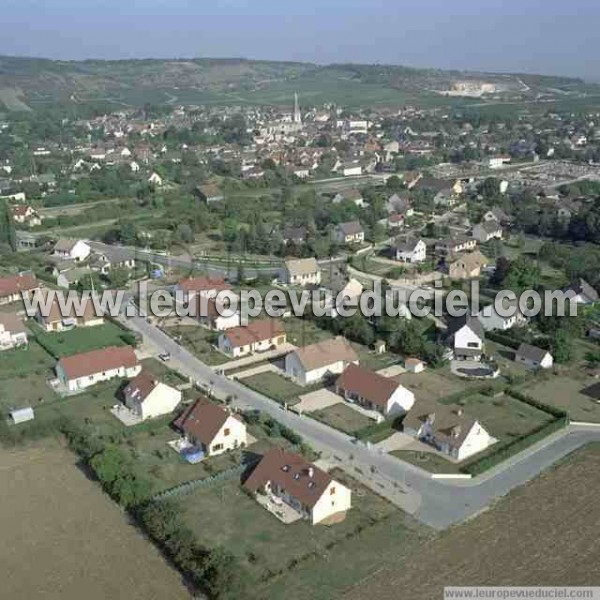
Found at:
<point>64,538</point>
<point>506,545</point>
<point>12,100</point>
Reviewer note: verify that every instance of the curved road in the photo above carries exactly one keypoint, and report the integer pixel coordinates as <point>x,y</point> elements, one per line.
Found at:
<point>435,502</point>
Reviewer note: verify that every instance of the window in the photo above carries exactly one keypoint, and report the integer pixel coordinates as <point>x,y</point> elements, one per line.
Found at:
<point>332,491</point>
<point>472,345</point>
<point>227,432</point>
<point>217,447</point>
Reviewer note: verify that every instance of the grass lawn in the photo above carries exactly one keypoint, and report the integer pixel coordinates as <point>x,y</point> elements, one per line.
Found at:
<point>505,417</point>
<point>199,342</point>
<point>428,461</point>
<point>223,514</point>
<point>432,384</point>
<point>566,392</point>
<point>342,417</point>
<point>23,374</point>
<point>504,356</point>
<point>373,361</point>
<point>277,387</point>
<point>303,332</point>
<point>79,339</point>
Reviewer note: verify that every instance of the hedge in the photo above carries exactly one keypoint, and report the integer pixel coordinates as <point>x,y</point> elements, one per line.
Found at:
<point>503,339</point>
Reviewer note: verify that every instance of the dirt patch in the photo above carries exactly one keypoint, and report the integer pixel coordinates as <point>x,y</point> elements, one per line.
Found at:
<point>64,539</point>
<point>541,534</point>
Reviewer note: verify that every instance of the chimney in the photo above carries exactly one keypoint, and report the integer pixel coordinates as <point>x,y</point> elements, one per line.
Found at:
<point>311,472</point>
<point>459,412</point>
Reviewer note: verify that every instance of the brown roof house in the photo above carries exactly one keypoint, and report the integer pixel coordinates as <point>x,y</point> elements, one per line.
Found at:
<point>311,363</point>
<point>147,397</point>
<point>313,494</point>
<point>81,371</point>
<point>54,319</point>
<point>467,266</point>
<point>351,232</point>
<point>301,271</point>
<point>447,428</point>
<point>258,336</point>
<point>12,288</point>
<point>209,429</point>
<point>374,392</point>
<point>12,331</point>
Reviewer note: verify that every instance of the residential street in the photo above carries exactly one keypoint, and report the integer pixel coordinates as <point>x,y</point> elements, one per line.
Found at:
<point>435,502</point>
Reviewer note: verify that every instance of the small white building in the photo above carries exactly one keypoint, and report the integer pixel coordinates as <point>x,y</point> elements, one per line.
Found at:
<point>147,397</point>
<point>486,231</point>
<point>12,331</point>
<point>411,251</point>
<point>414,365</point>
<point>22,415</point>
<point>302,271</point>
<point>76,250</point>
<point>533,357</point>
<point>492,321</point>
<point>467,338</point>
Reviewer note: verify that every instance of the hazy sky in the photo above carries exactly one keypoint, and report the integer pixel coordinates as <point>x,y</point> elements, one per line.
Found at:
<point>548,36</point>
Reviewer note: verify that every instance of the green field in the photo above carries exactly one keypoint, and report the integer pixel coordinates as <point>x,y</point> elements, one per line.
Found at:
<point>12,100</point>
<point>79,339</point>
<point>342,417</point>
<point>199,341</point>
<point>276,387</point>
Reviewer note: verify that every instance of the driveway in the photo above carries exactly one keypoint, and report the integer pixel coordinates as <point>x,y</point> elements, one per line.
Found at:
<point>317,400</point>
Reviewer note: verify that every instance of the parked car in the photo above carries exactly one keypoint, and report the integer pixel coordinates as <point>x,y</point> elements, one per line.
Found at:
<point>165,356</point>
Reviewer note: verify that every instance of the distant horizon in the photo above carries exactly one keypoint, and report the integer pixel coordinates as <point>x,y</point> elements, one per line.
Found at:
<point>500,36</point>
<point>300,62</point>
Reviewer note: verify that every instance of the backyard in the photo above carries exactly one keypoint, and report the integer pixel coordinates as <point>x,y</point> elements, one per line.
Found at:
<point>224,514</point>
<point>277,387</point>
<point>199,341</point>
<point>342,417</point>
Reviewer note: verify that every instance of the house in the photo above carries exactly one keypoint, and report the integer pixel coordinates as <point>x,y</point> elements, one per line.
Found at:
<point>217,314</point>
<point>584,292</point>
<point>492,321</point>
<point>414,365</point>
<point>352,195</point>
<point>201,286</point>
<point>467,337</point>
<point>155,179</point>
<point>447,428</point>
<point>373,391</point>
<point>497,162</point>
<point>12,331</point>
<point>208,193</point>
<point>350,169</point>
<point>456,245</point>
<point>410,250</point>
<point>25,214</point>
<point>258,336</point>
<point>445,192</point>
<point>211,429</point>
<point>76,250</point>
<point>486,231</point>
<point>533,357</point>
<point>310,364</point>
<point>399,205</point>
<point>395,221</point>
<point>80,371</point>
<point>294,235</point>
<point>54,319</point>
<point>71,277</point>
<point>302,271</point>
<point>467,266</point>
<point>498,215</point>
<point>13,287</point>
<point>147,397</point>
<point>350,232</point>
<point>310,491</point>
<point>114,259</point>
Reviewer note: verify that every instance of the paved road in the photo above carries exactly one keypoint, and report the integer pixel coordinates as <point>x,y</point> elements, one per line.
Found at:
<point>162,259</point>
<point>434,502</point>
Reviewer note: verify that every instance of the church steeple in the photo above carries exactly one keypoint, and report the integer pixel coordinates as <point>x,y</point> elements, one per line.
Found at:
<point>297,114</point>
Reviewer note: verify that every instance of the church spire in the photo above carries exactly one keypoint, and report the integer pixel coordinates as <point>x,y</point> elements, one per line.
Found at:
<point>297,114</point>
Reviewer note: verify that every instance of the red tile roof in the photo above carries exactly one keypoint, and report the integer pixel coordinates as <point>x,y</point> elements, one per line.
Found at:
<point>292,473</point>
<point>97,361</point>
<point>256,331</point>
<point>203,284</point>
<point>16,284</point>
<point>367,384</point>
<point>140,387</point>
<point>202,421</point>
